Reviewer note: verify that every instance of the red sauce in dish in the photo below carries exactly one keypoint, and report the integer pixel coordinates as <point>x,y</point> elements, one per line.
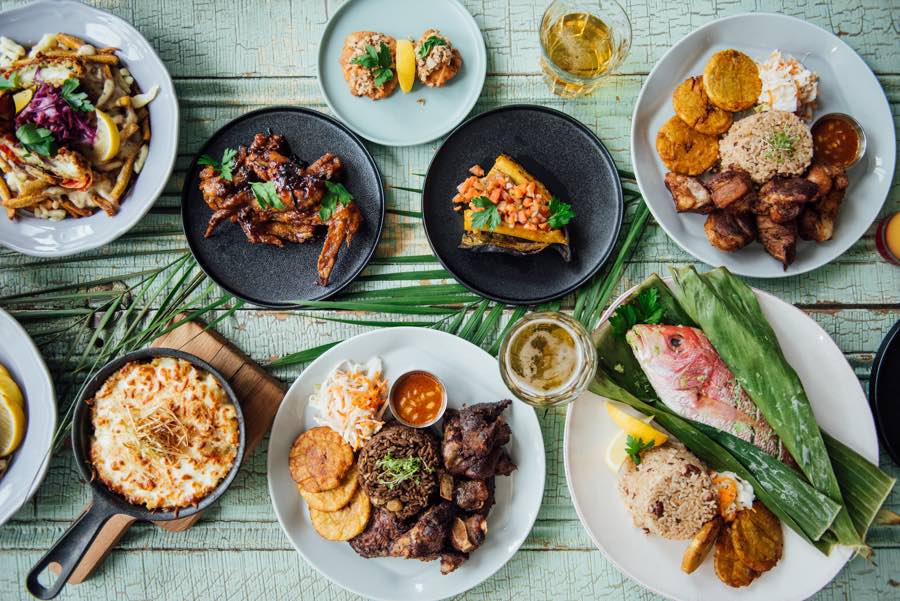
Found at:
<point>835,141</point>
<point>417,398</point>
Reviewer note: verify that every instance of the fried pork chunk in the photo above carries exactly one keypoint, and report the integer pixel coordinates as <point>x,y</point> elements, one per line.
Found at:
<point>782,198</point>
<point>779,239</point>
<point>300,190</point>
<point>729,231</point>
<point>729,187</point>
<point>817,220</point>
<point>689,193</point>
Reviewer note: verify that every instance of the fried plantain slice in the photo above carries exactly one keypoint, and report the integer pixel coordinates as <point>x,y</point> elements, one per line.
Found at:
<point>729,568</point>
<point>685,150</point>
<point>320,459</point>
<point>731,80</point>
<point>701,545</point>
<point>692,106</point>
<point>334,499</point>
<point>757,538</point>
<point>345,523</point>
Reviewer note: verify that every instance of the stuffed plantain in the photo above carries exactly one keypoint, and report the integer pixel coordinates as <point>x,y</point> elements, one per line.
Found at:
<point>510,211</point>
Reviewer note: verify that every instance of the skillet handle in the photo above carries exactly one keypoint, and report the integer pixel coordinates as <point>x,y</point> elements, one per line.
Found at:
<point>69,550</point>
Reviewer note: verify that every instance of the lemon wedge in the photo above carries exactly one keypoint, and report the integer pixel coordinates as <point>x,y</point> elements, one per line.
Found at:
<point>106,142</point>
<point>9,389</point>
<point>635,427</point>
<point>12,425</point>
<point>21,99</point>
<point>615,452</point>
<point>406,65</point>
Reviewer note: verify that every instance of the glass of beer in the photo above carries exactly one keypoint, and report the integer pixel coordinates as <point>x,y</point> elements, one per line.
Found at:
<point>582,41</point>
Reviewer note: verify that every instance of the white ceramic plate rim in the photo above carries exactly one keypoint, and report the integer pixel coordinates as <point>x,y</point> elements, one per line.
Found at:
<point>120,223</point>
<point>410,140</point>
<point>39,404</point>
<point>867,423</point>
<point>736,267</point>
<point>529,506</point>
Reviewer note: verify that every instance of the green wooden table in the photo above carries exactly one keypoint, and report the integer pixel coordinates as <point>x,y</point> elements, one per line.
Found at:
<point>229,57</point>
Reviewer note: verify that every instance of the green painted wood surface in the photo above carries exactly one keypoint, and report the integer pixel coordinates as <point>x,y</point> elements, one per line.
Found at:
<point>228,57</point>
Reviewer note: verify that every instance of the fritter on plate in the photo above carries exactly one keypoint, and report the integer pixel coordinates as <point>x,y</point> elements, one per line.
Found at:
<point>320,459</point>
<point>344,523</point>
<point>334,499</point>
<point>685,150</point>
<point>729,567</point>
<point>437,61</point>
<point>701,545</point>
<point>366,71</point>
<point>757,538</point>
<point>692,106</point>
<point>731,80</point>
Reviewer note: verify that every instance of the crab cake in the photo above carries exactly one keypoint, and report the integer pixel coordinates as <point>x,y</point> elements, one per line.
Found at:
<point>685,150</point>
<point>368,61</point>
<point>692,106</point>
<point>731,80</point>
<point>320,459</point>
<point>437,61</point>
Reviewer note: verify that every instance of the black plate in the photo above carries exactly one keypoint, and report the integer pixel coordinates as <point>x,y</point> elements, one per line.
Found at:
<point>263,274</point>
<point>559,151</point>
<point>884,392</point>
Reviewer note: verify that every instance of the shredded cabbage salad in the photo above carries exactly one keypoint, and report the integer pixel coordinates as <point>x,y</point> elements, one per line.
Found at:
<point>352,400</point>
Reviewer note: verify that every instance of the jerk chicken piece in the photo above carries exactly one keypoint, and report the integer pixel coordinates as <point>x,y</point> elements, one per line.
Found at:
<point>300,189</point>
<point>729,231</point>
<point>779,239</point>
<point>450,560</point>
<point>729,187</point>
<point>472,495</point>
<point>376,540</point>
<point>428,537</point>
<point>689,194</point>
<point>782,198</point>
<point>473,440</point>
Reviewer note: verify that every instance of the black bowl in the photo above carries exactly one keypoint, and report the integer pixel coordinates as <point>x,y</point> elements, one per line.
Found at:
<point>278,277</point>
<point>574,165</point>
<point>884,392</point>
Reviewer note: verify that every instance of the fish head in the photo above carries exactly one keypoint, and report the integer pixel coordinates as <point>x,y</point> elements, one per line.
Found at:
<point>680,355</point>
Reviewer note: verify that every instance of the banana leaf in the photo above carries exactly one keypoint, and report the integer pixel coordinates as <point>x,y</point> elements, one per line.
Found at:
<point>727,311</point>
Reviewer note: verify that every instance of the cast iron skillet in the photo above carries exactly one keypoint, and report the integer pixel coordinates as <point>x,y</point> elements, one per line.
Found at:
<point>69,550</point>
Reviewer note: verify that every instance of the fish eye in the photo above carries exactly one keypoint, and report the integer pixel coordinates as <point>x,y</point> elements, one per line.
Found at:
<point>676,341</point>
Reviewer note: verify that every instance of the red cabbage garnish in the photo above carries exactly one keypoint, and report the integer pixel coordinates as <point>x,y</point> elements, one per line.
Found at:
<point>49,109</point>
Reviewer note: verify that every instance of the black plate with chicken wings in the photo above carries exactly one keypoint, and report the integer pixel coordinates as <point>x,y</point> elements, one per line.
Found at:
<point>267,206</point>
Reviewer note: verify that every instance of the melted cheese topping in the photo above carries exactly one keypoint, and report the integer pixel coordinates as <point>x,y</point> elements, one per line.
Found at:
<point>165,433</point>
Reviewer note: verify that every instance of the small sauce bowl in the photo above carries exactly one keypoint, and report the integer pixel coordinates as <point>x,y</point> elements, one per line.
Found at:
<point>854,125</point>
<point>418,399</point>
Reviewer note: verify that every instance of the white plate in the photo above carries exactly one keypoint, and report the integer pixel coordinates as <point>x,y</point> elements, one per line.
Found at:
<point>471,376</point>
<point>28,464</point>
<point>846,85</point>
<point>44,238</point>
<point>841,409</point>
<point>425,113</point>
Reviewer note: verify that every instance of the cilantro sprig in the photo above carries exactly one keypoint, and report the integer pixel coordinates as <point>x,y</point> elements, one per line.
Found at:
<point>397,470</point>
<point>379,61</point>
<point>489,217</point>
<point>77,100</point>
<point>266,195</point>
<point>334,193</point>
<point>225,166</point>
<point>428,44</point>
<point>645,309</point>
<point>635,446</point>
<point>561,213</point>
<point>38,140</point>
<point>11,82</point>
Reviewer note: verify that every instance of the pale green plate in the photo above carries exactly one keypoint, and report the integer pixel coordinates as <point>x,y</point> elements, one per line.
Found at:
<point>425,113</point>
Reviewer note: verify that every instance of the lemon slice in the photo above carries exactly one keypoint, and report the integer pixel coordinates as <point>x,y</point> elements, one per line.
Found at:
<point>406,65</point>
<point>615,452</point>
<point>635,427</point>
<point>12,426</point>
<point>9,389</point>
<point>21,99</point>
<point>106,142</point>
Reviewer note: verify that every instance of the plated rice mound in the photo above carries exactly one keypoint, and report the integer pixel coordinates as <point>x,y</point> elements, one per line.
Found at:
<point>669,494</point>
<point>768,144</point>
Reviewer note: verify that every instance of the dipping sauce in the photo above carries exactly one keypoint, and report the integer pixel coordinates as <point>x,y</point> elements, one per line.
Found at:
<point>836,140</point>
<point>418,398</point>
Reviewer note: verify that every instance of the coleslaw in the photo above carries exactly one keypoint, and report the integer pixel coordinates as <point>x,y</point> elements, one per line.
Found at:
<point>352,400</point>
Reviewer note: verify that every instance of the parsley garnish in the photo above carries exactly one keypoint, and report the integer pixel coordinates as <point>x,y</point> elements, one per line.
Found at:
<point>266,195</point>
<point>489,217</point>
<point>334,194</point>
<point>643,309</point>
<point>635,446</point>
<point>395,471</point>
<point>428,44</point>
<point>225,166</point>
<point>77,100</point>
<point>561,213</point>
<point>379,61</point>
<point>781,146</point>
<point>38,140</point>
<point>8,83</point>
